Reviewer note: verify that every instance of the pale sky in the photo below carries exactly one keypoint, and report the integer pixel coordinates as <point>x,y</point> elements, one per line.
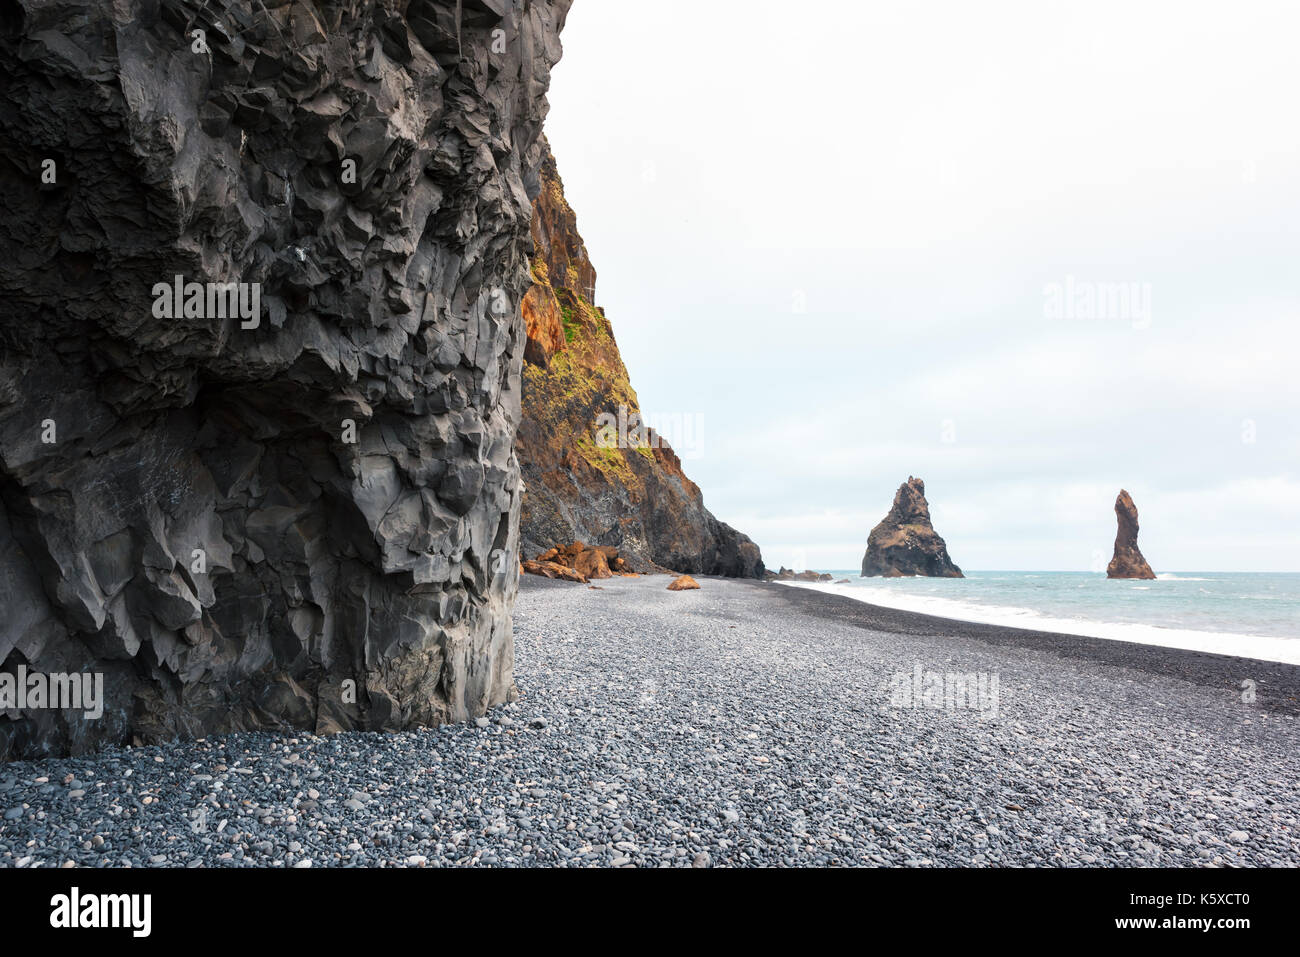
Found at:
<point>837,238</point>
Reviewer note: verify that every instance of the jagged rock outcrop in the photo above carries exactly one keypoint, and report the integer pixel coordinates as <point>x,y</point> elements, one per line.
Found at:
<point>1127,561</point>
<point>905,543</point>
<point>790,575</point>
<point>549,569</point>
<point>584,561</point>
<point>607,480</point>
<point>305,513</point>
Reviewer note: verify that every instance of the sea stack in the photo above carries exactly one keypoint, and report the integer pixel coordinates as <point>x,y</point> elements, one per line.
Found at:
<point>1128,561</point>
<point>905,543</point>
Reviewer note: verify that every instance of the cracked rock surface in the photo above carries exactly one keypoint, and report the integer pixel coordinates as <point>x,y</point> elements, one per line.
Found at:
<point>299,519</point>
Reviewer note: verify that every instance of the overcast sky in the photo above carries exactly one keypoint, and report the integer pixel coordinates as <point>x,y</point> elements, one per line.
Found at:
<point>855,241</point>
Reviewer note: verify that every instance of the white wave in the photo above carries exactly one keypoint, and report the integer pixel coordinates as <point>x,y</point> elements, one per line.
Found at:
<point>1286,650</point>
<point>1171,577</point>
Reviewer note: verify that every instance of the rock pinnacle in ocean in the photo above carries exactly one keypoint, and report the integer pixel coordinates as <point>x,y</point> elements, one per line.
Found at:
<point>1128,561</point>
<point>905,543</point>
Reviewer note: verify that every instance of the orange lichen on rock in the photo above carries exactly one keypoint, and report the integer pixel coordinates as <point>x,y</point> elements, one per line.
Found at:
<point>543,324</point>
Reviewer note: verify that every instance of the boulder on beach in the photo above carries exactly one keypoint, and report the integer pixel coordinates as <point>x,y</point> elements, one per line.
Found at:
<point>683,583</point>
<point>579,562</point>
<point>554,570</point>
<point>905,543</point>
<point>1127,561</point>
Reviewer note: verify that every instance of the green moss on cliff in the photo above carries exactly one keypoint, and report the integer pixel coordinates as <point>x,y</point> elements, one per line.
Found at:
<point>611,461</point>
<point>571,323</point>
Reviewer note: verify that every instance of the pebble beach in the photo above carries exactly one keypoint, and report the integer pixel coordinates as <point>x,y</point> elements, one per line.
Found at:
<point>743,724</point>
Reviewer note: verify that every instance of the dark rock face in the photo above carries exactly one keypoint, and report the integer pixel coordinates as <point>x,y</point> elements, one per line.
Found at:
<point>905,543</point>
<point>305,516</point>
<point>1127,561</point>
<point>619,484</point>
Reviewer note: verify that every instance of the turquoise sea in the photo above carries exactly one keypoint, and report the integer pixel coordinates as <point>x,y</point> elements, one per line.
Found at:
<point>1256,615</point>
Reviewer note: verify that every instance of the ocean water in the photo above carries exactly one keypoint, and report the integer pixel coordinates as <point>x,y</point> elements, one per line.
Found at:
<point>1255,615</point>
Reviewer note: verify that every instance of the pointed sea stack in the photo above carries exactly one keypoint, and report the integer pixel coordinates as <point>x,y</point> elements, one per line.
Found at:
<point>1128,561</point>
<point>905,543</point>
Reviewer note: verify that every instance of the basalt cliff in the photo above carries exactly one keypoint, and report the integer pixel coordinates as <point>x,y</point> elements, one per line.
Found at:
<point>1127,561</point>
<point>306,514</point>
<point>905,543</point>
<point>593,471</point>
